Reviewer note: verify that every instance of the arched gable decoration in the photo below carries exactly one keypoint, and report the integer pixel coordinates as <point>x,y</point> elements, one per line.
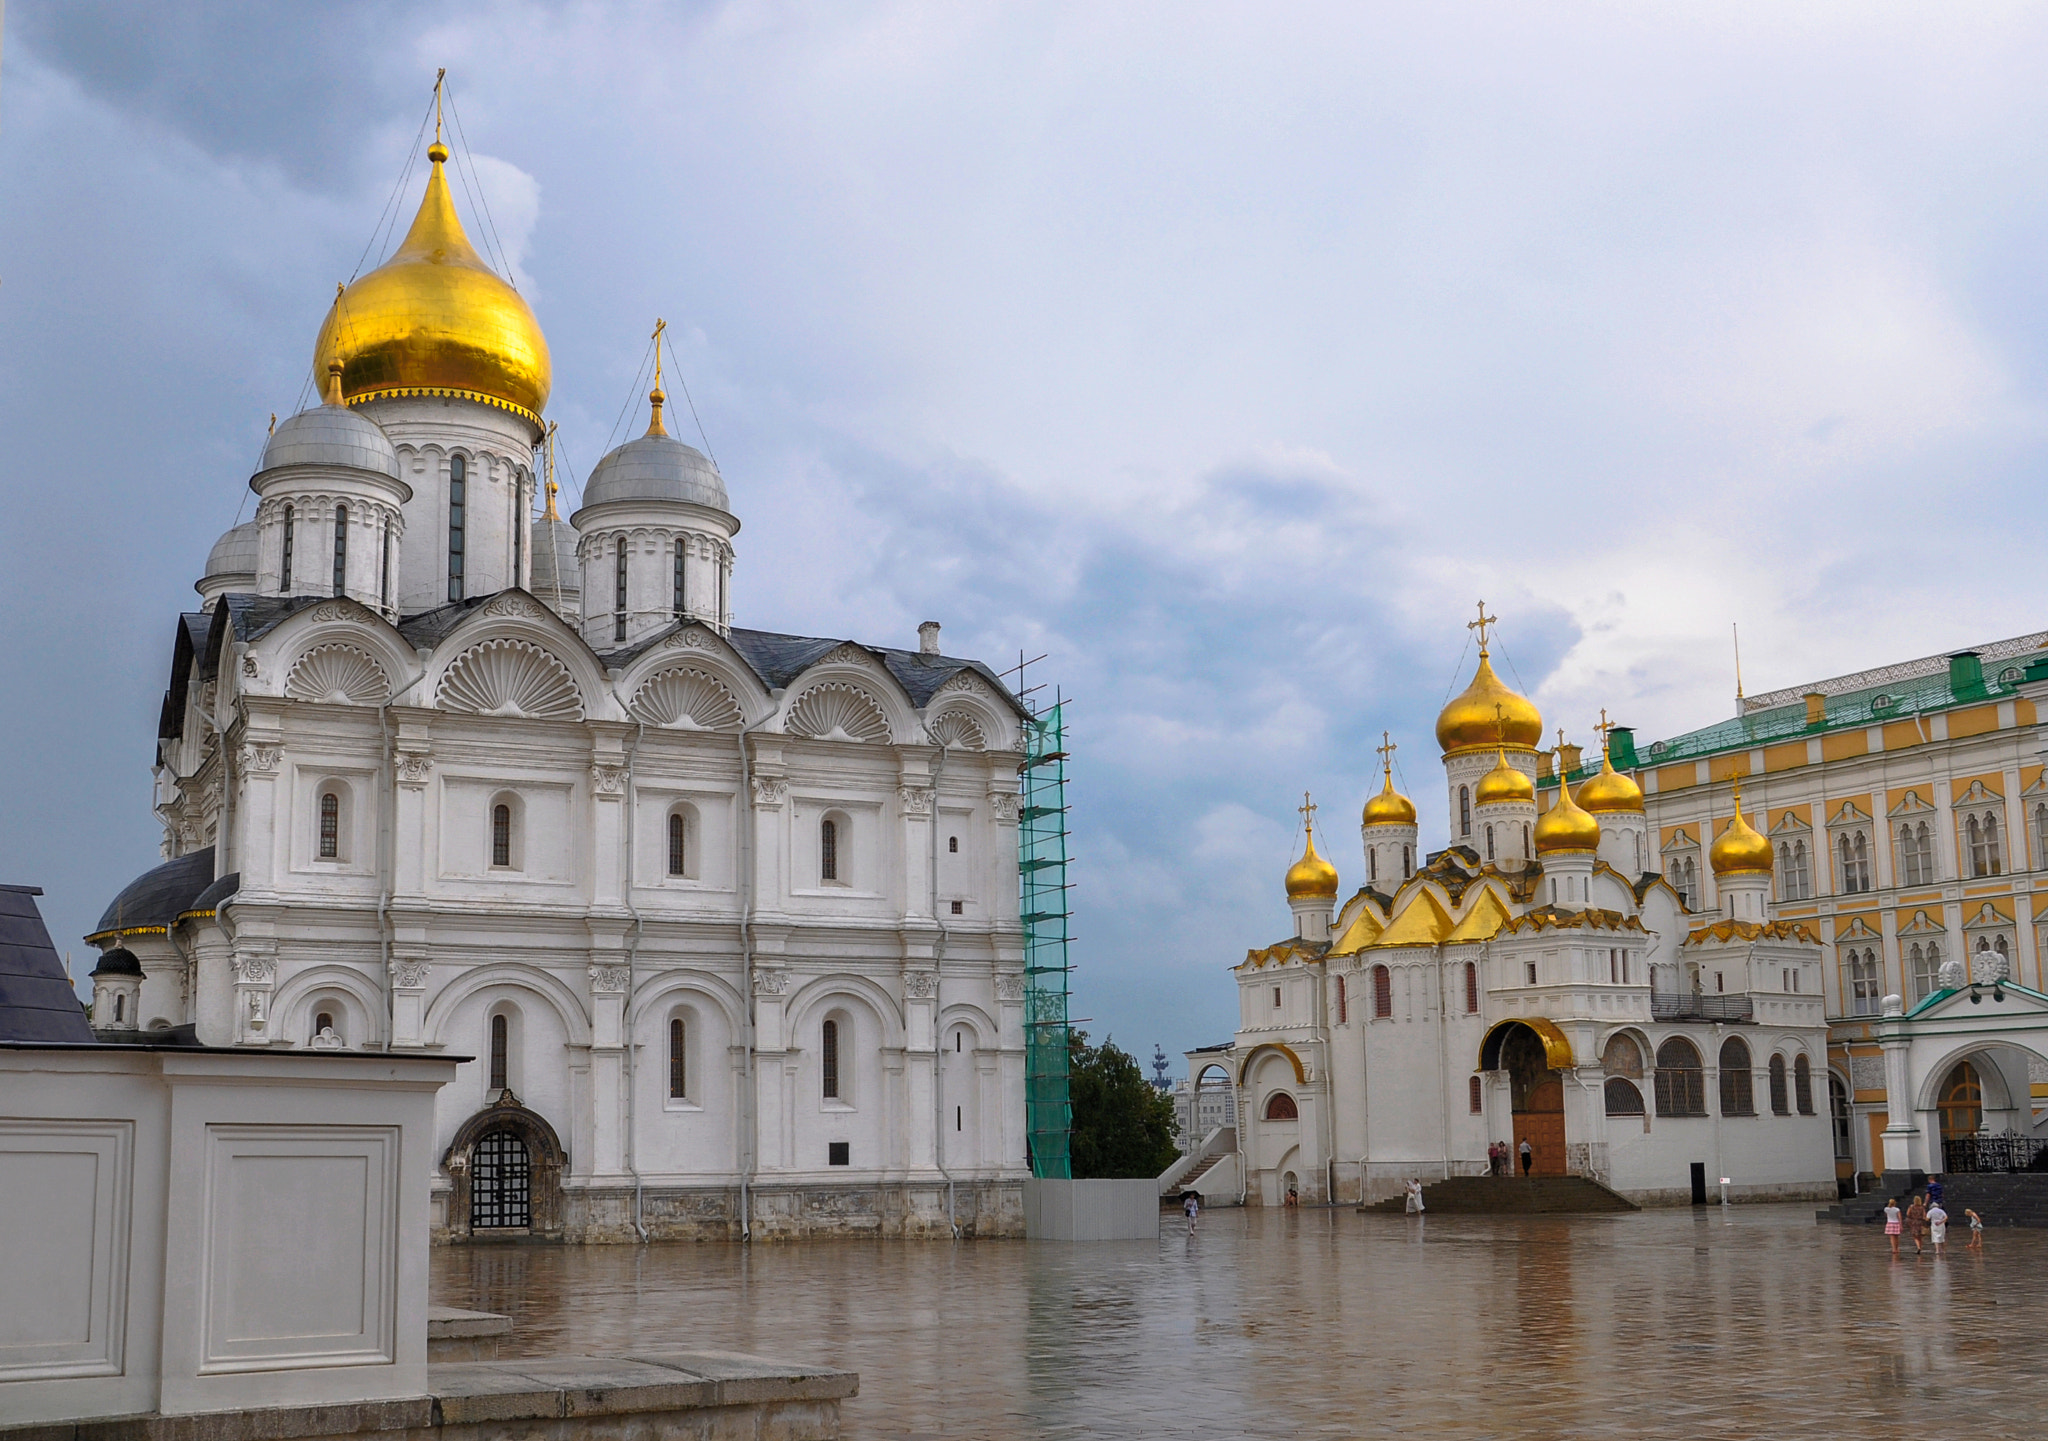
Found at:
<point>838,711</point>
<point>1244,1068</point>
<point>959,730</point>
<point>505,677</point>
<point>337,674</point>
<point>543,1148</point>
<point>686,698</point>
<point>1557,1048</point>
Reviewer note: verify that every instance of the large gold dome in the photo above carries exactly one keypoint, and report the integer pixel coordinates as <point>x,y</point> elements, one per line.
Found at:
<point>434,319</point>
<point>1487,714</point>
<point>1610,791</point>
<point>1739,850</point>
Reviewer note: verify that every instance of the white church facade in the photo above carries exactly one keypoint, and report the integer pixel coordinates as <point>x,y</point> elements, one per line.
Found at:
<point>727,919</point>
<point>1536,981</point>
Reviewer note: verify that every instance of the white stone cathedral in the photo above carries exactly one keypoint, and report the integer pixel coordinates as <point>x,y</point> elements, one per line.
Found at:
<point>727,919</point>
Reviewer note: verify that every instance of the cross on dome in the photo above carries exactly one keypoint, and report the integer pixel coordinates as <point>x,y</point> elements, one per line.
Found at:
<point>1481,624</point>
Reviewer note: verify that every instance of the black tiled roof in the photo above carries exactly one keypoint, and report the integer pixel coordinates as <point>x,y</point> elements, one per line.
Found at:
<point>156,898</point>
<point>209,900</point>
<point>36,999</point>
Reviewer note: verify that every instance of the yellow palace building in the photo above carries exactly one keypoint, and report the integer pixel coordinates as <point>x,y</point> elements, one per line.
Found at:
<point>1908,821</point>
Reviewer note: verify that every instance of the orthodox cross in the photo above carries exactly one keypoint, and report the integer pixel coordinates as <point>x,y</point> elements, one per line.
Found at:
<point>439,76</point>
<point>1386,749</point>
<point>1560,755</point>
<point>1308,813</point>
<point>1481,624</point>
<point>1606,729</point>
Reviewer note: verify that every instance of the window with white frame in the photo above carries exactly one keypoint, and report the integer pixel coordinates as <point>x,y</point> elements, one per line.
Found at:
<point>1865,983</point>
<point>1923,966</point>
<point>1986,855</point>
<point>1795,871</point>
<point>1852,854</point>
<point>1916,854</point>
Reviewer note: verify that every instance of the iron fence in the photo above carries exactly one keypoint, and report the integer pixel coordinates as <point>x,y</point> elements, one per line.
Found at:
<point>1702,1008</point>
<point>1981,1154</point>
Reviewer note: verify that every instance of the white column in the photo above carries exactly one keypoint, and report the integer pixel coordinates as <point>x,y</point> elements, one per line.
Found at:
<point>409,970</point>
<point>921,1058</point>
<point>1903,1145</point>
<point>608,981</point>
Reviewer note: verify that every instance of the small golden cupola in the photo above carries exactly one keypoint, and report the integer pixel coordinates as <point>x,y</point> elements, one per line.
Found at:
<point>1610,791</point>
<point>435,319</point>
<point>1486,714</point>
<point>1389,807</point>
<point>1565,827</point>
<point>1504,785</point>
<point>1311,877</point>
<point>1740,850</point>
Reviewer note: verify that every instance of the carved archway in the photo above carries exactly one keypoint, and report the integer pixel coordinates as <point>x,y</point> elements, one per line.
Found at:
<point>546,1163</point>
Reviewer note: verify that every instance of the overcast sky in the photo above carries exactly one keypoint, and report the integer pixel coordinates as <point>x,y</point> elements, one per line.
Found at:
<point>1227,354</point>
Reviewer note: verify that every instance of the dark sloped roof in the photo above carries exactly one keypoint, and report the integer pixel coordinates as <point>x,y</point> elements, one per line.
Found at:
<point>209,900</point>
<point>156,898</point>
<point>120,961</point>
<point>36,999</point>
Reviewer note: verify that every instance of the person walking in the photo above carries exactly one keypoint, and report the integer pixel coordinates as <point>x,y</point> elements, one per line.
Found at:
<point>1528,1155</point>
<point>1976,1221</point>
<point>1916,1223</point>
<point>1934,1191</point>
<point>1937,1228</point>
<point>1414,1207</point>
<point>1893,1224</point>
<point>1191,1207</point>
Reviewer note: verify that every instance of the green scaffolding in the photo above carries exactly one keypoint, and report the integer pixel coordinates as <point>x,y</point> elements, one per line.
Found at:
<point>1042,892</point>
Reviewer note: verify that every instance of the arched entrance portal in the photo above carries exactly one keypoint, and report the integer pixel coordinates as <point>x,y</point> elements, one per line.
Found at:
<point>500,1183</point>
<point>1962,1102</point>
<point>1536,1089</point>
<point>505,1167</point>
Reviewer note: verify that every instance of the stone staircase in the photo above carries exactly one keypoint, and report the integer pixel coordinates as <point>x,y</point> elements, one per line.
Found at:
<point>2017,1199</point>
<point>1190,1180</point>
<point>1512,1195</point>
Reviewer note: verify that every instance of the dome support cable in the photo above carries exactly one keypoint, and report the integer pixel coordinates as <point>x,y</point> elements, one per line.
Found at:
<point>477,198</point>
<point>690,401</point>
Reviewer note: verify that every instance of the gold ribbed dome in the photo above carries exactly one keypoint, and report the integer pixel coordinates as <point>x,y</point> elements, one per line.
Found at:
<point>1565,827</point>
<point>434,319</point>
<point>1488,714</point>
<point>1504,784</point>
<point>1739,850</point>
<point>1389,807</point>
<point>1311,876</point>
<point>1610,791</point>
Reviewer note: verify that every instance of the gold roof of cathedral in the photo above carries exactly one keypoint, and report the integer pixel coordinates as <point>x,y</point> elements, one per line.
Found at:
<point>1389,807</point>
<point>434,319</point>
<point>1610,791</point>
<point>1566,827</point>
<point>1504,784</point>
<point>1311,876</point>
<point>1740,850</point>
<point>1487,714</point>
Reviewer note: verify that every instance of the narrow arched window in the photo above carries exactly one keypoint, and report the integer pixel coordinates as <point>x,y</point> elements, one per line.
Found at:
<point>1407,862</point>
<point>323,1022</point>
<point>953,845</point>
<point>1737,1094</point>
<point>120,1007</point>
<point>619,592</point>
<point>828,1059</point>
<point>682,575</point>
<point>828,849</point>
<point>330,826</point>
<point>1802,1085</point>
<point>518,528</point>
<point>677,835</point>
<point>1464,810</point>
<point>341,550</point>
<point>500,1047</point>
<point>678,1069</point>
<point>1525,840</point>
<point>1781,1103</point>
<point>1382,992</point>
<point>1489,841</point>
<point>1471,988</point>
<point>1343,1007</point>
<point>458,509</point>
<point>501,835</point>
<point>1475,1095</point>
<point>2041,837</point>
<point>1372,863</point>
<point>384,569</point>
<point>285,571</point>
<point>1993,852</point>
<point>1978,864</point>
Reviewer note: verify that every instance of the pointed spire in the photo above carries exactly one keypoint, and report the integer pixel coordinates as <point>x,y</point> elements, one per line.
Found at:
<point>330,390</point>
<point>654,397</point>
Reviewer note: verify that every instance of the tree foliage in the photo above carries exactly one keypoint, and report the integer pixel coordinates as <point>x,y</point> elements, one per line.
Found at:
<point>1123,1126</point>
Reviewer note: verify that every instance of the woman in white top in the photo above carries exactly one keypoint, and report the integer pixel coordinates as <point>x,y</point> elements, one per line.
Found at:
<point>1415,1197</point>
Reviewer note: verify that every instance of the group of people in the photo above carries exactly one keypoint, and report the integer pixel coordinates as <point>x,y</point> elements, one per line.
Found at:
<point>1500,1158</point>
<point>1925,1220</point>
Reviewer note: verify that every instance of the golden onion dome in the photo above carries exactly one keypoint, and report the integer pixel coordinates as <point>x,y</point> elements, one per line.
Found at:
<point>1740,850</point>
<point>1504,785</point>
<point>1486,714</point>
<point>1311,877</point>
<point>1389,807</point>
<point>434,319</point>
<point>1610,791</point>
<point>1565,827</point>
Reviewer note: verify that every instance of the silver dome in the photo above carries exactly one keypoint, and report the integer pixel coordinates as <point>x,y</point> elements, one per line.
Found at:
<point>555,568</point>
<point>331,435</point>
<point>656,467</point>
<point>234,554</point>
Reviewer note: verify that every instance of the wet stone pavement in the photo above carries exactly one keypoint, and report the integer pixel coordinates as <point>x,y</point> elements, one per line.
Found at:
<point>1749,1322</point>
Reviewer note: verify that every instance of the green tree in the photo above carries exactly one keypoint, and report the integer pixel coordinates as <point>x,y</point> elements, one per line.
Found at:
<point>1123,1127</point>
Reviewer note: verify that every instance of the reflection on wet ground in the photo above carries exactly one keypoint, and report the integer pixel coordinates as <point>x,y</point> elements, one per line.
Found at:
<point>1748,1322</point>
